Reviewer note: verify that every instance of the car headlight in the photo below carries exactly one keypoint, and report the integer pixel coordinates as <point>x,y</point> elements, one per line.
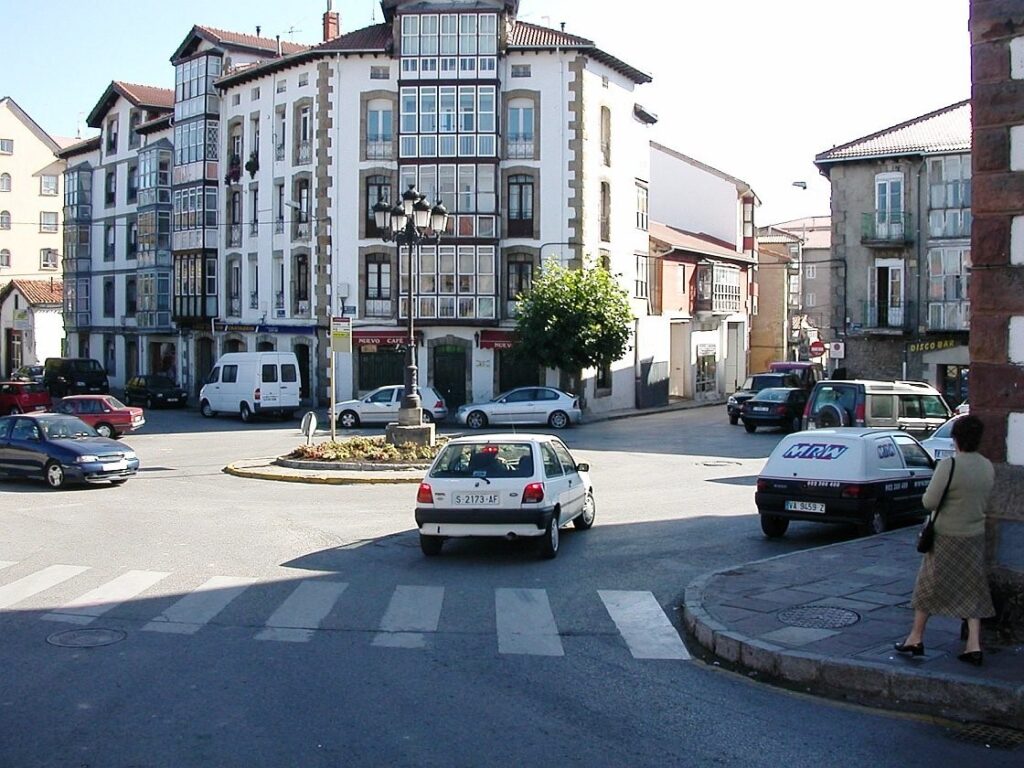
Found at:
<point>130,455</point>
<point>731,400</point>
<point>79,383</point>
<point>86,459</point>
<point>159,395</point>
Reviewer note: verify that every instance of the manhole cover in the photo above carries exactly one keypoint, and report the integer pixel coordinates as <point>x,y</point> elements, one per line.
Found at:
<point>988,736</point>
<point>86,638</point>
<point>818,617</point>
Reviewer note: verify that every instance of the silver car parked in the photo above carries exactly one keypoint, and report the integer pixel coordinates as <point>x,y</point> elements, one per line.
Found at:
<point>381,406</point>
<point>524,405</point>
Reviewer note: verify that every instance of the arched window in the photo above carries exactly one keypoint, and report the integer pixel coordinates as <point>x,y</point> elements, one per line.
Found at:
<point>5,182</point>
<point>5,258</point>
<point>5,219</point>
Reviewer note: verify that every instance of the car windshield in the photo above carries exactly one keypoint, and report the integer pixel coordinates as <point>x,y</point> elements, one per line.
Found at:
<point>85,366</point>
<point>66,429</point>
<point>489,460</point>
<point>160,382</point>
<point>946,430</point>
<point>774,395</point>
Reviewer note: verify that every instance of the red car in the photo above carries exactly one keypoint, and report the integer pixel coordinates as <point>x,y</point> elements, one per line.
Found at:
<point>107,415</point>
<point>23,397</point>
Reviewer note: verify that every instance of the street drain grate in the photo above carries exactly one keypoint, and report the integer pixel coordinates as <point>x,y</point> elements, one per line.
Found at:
<point>988,736</point>
<point>86,638</point>
<point>818,617</point>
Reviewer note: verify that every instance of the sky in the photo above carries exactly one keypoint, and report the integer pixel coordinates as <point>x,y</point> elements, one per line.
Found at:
<point>755,88</point>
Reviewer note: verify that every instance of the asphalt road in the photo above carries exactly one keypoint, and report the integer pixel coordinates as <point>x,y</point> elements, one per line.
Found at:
<point>258,623</point>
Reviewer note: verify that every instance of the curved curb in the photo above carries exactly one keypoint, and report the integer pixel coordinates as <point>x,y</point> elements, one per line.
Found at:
<point>879,685</point>
<point>255,474</point>
<point>351,466</point>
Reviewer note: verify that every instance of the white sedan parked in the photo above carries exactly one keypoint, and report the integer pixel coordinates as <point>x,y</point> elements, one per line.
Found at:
<point>524,405</point>
<point>503,485</point>
<point>381,406</point>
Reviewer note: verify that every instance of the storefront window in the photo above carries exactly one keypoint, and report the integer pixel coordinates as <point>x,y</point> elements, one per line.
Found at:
<point>707,370</point>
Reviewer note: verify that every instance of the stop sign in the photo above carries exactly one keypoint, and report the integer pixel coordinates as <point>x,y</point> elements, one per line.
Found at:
<point>817,348</point>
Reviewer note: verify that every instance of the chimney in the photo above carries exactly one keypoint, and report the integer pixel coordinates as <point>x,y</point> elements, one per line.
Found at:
<point>332,23</point>
<point>278,45</point>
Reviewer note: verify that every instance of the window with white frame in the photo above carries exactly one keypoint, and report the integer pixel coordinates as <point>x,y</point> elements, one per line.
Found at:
<point>642,205</point>
<point>48,221</point>
<point>809,300</point>
<point>379,129</point>
<point>48,259</point>
<point>949,196</point>
<point>641,288</point>
<point>6,146</point>
<point>5,258</point>
<point>520,129</point>
<point>810,271</point>
<point>948,283</point>
<point>5,219</point>
<point>5,182</point>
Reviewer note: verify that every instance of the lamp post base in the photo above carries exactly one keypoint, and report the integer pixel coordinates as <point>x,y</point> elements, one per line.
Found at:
<point>401,434</point>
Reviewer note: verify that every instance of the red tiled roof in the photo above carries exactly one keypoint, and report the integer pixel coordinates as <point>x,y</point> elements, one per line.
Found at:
<point>681,240</point>
<point>41,291</point>
<point>944,130</point>
<point>526,35</point>
<point>147,95</point>
<point>373,38</point>
<point>250,41</point>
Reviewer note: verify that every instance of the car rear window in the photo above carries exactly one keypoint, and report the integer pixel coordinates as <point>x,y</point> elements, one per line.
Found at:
<point>761,382</point>
<point>845,397</point>
<point>28,389</point>
<point>85,366</point>
<point>495,460</point>
<point>774,395</point>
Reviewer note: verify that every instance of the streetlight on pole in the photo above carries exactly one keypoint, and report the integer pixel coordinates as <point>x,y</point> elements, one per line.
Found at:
<point>411,224</point>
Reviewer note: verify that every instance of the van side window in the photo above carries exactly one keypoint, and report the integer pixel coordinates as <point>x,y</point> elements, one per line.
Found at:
<point>288,373</point>
<point>230,374</point>
<point>881,406</point>
<point>933,406</point>
<point>913,454</point>
<point>214,376</point>
<point>552,467</point>
<point>910,406</point>
<point>269,373</point>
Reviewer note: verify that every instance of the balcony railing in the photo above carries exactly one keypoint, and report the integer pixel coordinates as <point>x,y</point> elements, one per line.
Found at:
<point>254,228</point>
<point>520,148</point>
<point>279,152</point>
<point>378,149</point>
<point>302,230</point>
<point>279,226</point>
<point>378,308</point>
<point>235,236</point>
<point>254,300</point>
<point>889,317</point>
<point>279,300</point>
<point>885,228</point>
<point>235,306</point>
<point>303,153</point>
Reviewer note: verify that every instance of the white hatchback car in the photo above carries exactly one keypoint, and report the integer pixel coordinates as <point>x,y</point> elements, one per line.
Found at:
<point>381,406</point>
<point>940,445</point>
<point>503,485</point>
<point>523,405</point>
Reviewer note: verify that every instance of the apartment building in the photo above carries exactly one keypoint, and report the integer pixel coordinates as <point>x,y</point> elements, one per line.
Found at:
<point>901,226</point>
<point>30,212</point>
<point>447,99</point>
<point>702,234</point>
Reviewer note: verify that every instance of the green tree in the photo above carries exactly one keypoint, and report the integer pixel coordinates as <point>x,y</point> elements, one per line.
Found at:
<point>574,319</point>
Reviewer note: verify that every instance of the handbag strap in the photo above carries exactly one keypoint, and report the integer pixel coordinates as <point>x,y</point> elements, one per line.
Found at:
<point>952,469</point>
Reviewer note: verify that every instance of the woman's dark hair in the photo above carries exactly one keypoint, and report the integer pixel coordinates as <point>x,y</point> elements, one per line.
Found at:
<point>967,431</point>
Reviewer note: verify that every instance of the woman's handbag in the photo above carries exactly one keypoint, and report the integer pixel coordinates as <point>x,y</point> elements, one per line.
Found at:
<point>926,538</point>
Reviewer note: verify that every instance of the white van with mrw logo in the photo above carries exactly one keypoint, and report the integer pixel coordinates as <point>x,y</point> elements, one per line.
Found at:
<point>252,384</point>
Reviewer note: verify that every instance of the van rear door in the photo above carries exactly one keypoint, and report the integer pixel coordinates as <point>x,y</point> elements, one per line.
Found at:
<point>289,381</point>
<point>269,382</point>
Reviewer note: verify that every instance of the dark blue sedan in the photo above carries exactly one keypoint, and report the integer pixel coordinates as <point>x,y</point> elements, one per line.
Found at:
<point>59,449</point>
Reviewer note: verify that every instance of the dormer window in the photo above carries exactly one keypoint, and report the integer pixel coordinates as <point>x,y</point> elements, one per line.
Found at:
<point>112,136</point>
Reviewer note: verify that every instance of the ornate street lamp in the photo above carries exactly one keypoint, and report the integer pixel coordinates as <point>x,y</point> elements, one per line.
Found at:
<point>411,224</point>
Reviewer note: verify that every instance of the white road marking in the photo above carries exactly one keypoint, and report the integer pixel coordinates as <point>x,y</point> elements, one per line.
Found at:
<point>300,614</point>
<point>525,623</point>
<point>643,625</point>
<point>188,615</point>
<point>412,612</point>
<point>88,607</point>
<point>37,582</point>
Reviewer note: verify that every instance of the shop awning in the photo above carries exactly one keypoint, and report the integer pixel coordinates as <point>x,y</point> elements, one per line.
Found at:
<point>491,339</point>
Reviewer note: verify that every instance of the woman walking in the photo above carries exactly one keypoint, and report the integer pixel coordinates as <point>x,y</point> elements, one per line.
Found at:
<point>952,579</point>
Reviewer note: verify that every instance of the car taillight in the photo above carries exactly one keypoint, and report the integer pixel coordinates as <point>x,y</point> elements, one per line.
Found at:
<point>533,493</point>
<point>807,410</point>
<point>424,495</point>
<point>256,394</point>
<point>763,485</point>
<point>780,409</point>
<point>576,403</point>
<point>439,405</point>
<point>858,415</point>
<point>854,492</point>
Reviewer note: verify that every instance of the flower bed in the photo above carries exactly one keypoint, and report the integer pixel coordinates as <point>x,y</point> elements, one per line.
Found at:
<point>367,449</point>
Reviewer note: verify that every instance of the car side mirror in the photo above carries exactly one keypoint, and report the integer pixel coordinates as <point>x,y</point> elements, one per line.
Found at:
<point>583,467</point>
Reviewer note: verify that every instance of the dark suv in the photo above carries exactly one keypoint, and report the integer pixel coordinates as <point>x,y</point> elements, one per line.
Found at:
<point>752,386</point>
<point>74,376</point>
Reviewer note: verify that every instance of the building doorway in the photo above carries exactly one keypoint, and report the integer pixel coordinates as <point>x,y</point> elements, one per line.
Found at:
<point>204,362</point>
<point>302,355</point>
<point>450,374</point>
<point>514,371</point>
<point>131,359</point>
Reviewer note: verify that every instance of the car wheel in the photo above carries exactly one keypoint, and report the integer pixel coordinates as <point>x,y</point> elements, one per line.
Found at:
<point>206,410</point>
<point>119,481</point>
<point>750,427</point>
<point>774,526</point>
<point>549,541</point>
<point>558,420</point>
<point>54,474</point>
<point>794,425</point>
<point>428,417</point>
<point>245,412</point>
<point>149,403</point>
<point>877,523</point>
<point>15,410</point>
<point>586,517</point>
<point>734,420</point>
<point>349,419</point>
<point>431,545</point>
<point>476,420</point>
<point>105,430</point>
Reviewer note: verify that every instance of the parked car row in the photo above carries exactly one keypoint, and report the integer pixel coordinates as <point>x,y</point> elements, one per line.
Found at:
<point>108,415</point>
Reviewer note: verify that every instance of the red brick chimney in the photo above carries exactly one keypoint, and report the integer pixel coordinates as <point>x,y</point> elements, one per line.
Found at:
<point>332,23</point>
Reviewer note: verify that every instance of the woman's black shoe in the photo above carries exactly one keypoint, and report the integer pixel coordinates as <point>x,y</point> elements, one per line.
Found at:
<point>971,657</point>
<point>916,650</point>
<point>963,629</point>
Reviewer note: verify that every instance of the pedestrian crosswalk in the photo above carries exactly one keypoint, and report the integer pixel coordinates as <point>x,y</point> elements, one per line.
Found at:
<point>299,610</point>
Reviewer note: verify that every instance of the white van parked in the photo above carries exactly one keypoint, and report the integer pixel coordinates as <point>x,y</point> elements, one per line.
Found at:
<point>252,384</point>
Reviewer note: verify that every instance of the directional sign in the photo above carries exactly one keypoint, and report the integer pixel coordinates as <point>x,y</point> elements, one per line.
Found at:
<point>341,334</point>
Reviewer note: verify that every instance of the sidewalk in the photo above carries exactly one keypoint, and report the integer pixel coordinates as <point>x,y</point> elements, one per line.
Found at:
<point>825,620</point>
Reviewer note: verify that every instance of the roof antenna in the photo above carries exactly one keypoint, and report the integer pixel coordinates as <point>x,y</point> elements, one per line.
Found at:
<point>258,28</point>
<point>562,25</point>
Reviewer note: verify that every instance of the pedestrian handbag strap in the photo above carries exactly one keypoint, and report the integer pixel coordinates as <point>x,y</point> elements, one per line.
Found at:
<point>952,469</point>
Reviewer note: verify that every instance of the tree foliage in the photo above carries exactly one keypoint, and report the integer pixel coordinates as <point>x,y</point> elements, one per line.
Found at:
<point>574,319</point>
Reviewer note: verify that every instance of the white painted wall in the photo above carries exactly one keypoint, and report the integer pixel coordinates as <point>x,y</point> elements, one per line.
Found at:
<point>688,197</point>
